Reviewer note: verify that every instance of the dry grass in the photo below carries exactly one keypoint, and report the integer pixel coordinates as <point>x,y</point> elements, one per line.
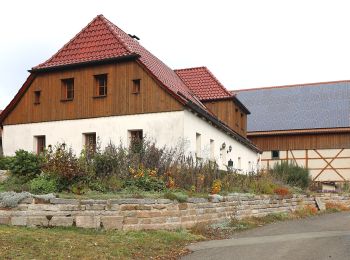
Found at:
<point>74,243</point>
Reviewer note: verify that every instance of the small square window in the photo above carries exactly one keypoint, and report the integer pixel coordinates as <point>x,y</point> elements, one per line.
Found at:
<point>136,87</point>
<point>101,85</point>
<point>37,95</point>
<point>275,154</point>
<point>67,89</point>
<point>40,143</point>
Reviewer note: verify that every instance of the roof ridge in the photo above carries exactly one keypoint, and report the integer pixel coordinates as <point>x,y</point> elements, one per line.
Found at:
<point>219,83</point>
<point>191,68</point>
<point>314,84</point>
<point>110,26</point>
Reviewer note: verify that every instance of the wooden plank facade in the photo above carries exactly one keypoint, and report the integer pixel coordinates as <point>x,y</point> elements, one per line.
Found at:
<point>301,141</point>
<point>120,99</point>
<point>228,112</point>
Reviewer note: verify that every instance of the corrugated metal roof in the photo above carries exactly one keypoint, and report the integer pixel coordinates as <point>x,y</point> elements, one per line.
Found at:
<point>308,106</point>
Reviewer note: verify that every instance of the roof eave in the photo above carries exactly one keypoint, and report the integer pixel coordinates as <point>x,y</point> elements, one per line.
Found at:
<point>132,56</point>
<point>300,131</point>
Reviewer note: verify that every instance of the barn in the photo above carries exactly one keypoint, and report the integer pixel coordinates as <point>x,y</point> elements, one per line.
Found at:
<point>308,124</point>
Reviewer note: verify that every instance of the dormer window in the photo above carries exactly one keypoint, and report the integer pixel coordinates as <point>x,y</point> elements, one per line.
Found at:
<point>101,85</point>
<point>37,95</point>
<point>136,88</point>
<point>67,89</point>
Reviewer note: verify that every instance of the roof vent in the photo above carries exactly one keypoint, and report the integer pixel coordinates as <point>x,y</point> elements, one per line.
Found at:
<point>134,37</point>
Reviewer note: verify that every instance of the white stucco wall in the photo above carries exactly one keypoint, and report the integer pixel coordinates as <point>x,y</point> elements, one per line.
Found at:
<point>168,128</point>
<point>194,124</point>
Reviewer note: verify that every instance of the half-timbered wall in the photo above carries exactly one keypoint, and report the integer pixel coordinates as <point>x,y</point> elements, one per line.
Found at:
<point>120,99</point>
<point>230,114</point>
<point>326,155</point>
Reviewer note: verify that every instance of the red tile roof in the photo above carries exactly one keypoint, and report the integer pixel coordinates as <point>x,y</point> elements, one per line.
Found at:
<point>203,83</point>
<point>102,40</point>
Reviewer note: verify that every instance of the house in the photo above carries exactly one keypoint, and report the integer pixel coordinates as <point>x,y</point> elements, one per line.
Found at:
<point>308,124</point>
<point>103,86</point>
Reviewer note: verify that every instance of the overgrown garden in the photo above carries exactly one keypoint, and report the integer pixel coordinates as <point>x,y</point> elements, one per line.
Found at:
<point>140,170</point>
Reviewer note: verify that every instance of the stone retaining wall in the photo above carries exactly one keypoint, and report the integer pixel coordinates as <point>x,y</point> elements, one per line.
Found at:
<point>138,214</point>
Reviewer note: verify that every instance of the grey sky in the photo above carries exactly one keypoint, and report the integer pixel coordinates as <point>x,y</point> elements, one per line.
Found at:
<point>244,43</point>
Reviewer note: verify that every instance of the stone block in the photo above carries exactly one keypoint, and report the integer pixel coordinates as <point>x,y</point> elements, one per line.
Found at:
<point>143,207</point>
<point>197,200</point>
<point>37,221</point>
<point>64,201</point>
<point>215,198</point>
<point>19,221</point>
<point>112,222</point>
<point>91,202</point>
<point>95,207</point>
<point>130,220</point>
<point>128,207</point>
<point>69,207</point>
<point>4,220</point>
<point>183,206</point>
<point>87,221</point>
<point>58,221</point>
<point>159,206</point>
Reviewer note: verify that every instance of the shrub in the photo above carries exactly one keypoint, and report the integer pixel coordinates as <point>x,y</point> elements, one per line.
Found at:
<point>16,183</point>
<point>43,185</point>
<point>62,164</point>
<point>5,162</point>
<point>216,187</point>
<point>145,179</point>
<point>292,174</point>
<point>25,164</point>
<point>281,191</point>
<point>336,207</point>
<point>308,210</point>
<point>179,196</point>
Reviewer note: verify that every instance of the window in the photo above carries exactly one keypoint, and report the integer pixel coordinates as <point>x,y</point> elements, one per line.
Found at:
<point>40,144</point>
<point>136,87</point>
<point>67,89</point>
<point>37,94</point>
<point>212,150</point>
<point>90,142</point>
<point>198,145</point>
<point>275,154</point>
<point>230,163</point>
<point>101,85</point>
<point>135,140</point>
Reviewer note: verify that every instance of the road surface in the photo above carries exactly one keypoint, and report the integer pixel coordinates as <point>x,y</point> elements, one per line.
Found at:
<point>316,238</point>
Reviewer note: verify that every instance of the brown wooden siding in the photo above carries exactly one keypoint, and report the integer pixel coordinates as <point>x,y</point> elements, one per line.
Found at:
<point>119,99</point>
<point>303,141</point>
<point>225,110</point>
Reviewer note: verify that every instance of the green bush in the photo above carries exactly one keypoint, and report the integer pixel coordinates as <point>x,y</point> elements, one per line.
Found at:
<point>43,185</point>
<point>292,174</point>
<point>25,164</point>
<point>5,162</point>
<point>64,166</point>
<point>16,183</point>
<point>179,196</point>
